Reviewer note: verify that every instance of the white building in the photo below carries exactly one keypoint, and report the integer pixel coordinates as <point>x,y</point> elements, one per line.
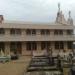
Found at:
<point>22,38</point>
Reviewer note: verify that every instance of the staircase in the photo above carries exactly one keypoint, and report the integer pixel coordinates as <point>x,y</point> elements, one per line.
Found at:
<point>43,65</point>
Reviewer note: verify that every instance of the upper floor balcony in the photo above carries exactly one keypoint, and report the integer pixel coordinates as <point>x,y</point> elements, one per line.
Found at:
<point>8,38</point>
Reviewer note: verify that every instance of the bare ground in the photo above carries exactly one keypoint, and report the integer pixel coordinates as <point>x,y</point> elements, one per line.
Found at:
<point>16,67</point>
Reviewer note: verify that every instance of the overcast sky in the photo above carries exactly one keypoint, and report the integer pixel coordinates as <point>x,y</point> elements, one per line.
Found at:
<point>35,10</point>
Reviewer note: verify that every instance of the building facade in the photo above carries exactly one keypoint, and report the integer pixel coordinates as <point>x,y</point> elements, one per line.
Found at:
<point>22,38</point>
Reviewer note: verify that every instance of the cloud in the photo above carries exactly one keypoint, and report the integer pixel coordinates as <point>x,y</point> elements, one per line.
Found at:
<point>34,10</point>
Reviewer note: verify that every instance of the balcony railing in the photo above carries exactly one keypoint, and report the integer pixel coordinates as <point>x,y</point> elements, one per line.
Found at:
<point>37,37</point>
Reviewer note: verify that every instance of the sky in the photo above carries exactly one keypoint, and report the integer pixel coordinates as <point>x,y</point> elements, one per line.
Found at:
<point>35,10</point>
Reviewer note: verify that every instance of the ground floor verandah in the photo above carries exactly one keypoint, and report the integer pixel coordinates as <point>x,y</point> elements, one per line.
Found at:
<point>23,48</point>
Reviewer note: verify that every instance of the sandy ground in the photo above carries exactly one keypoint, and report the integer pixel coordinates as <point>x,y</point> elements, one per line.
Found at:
<point>15,67</point>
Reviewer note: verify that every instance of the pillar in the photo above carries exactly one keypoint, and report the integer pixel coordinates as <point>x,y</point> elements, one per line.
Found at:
<point>23,32</point>
<point>23,48</point>
<point>7,32</point>
<point>64,32</point>
<point>52,32</point>
<point>7,48</point>
<point>39,46</point>
<point>38,32</point>
<point>65,46</point>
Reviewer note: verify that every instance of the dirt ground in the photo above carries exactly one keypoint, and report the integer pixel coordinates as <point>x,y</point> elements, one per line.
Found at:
<point>16,67</point>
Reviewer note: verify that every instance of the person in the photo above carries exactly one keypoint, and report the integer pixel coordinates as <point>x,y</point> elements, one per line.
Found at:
<point>49,52</point>
<point>58,61</point>
<point>49,56</point>
<point>70,58</point>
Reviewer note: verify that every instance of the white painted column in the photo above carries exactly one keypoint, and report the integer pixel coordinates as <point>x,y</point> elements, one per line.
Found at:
<point>51,32</point>
<point>23,32</point>
<point>38,32</point>
<point>7,48</point>
<point>65,46</point>
<point>7,32</point>
<point>7,44</point>
<point>64,32</point>
<point>23,48</point>
<point>38,46</point>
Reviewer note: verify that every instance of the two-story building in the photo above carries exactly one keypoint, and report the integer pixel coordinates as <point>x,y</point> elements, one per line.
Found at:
<point>22,37</point>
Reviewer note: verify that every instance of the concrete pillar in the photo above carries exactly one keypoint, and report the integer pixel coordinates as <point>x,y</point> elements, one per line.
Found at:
<point>23,48</point>
<point>39,46</point>
<point>65,46</point>
<point>7,32</point>
<point>64,32</point>
<point>7,48</point>
<point>52,32</point>
<point>23,32</point>
<point>38,32</point>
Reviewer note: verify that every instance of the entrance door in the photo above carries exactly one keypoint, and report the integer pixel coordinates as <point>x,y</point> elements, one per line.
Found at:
<point>16,47</point>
